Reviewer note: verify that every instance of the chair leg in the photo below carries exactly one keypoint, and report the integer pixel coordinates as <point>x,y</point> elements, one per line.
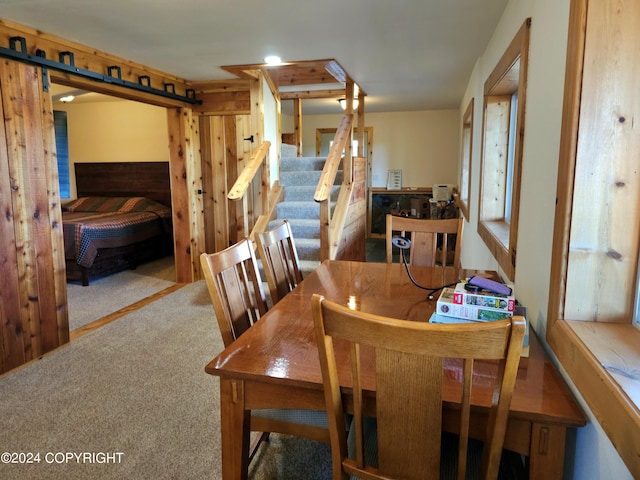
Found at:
<point>264,436</point>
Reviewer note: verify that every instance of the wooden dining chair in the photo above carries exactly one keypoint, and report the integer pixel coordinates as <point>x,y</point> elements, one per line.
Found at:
<point>280,262</point>
<point>431,240</point>
<point>235,287</point>
<point>405,439</point>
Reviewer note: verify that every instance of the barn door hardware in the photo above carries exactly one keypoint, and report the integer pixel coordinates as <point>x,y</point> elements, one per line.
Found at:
<point>249,138</point>
<point>18,51</point>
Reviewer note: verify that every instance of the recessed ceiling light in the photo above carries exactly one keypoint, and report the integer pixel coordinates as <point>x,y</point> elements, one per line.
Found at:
<point>272,60</point>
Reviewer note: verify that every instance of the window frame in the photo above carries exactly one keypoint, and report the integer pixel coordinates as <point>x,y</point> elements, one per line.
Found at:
<point>508,77</point>
<point>464,198</point>
<point>591,290</point>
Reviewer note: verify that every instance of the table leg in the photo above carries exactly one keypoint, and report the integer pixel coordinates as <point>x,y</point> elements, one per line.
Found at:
<point>235,424</point>
<point>547,451</point>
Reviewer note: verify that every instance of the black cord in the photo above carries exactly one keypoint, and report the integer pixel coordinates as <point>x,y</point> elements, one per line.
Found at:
<point>432,290</point>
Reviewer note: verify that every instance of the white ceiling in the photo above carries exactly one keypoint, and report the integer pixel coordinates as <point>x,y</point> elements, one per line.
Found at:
<point>405,54</point>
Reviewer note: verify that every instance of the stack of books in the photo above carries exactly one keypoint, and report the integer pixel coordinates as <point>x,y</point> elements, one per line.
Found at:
<point>457,305</point>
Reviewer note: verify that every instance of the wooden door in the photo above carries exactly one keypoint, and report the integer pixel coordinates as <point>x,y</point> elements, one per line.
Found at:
<point>33,295</point>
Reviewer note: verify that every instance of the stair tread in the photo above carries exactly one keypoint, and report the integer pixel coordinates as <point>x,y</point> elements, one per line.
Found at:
<point>300,176</point>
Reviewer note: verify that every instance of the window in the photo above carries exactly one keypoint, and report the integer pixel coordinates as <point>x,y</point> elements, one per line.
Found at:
<point>62,151</point>
<point>513,114</point>
<point>593,291</point>
<point>465,166</point>
<point>502,136</point>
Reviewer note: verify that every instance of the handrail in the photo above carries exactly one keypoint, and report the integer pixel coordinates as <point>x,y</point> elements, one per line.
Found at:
<point>332,164</point>
<point>246,176</point>
<point>330,231</point>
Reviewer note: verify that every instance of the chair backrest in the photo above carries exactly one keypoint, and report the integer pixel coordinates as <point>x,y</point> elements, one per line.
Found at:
<point>408,380</point>
<point>430,239</point>
<point>279,260</point>
<point>235,287</point>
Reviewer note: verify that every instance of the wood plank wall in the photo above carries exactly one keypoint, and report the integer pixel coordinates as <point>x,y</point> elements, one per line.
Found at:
<point>186,181</point>
<point>33,308</point>
<point>353,240</point>
<point>224,153</point>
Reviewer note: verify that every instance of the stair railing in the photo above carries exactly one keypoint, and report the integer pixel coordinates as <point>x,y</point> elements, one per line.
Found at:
<point>330,234</point>
<point>253,189</point>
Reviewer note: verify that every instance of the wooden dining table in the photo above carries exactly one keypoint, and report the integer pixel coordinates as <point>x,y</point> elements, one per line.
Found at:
<point>275,365</point>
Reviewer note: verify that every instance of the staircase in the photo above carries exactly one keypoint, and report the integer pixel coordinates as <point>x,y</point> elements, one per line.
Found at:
<point>299,178</point>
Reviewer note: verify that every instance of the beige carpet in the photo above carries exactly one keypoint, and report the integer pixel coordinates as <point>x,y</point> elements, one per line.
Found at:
<point>136,386</point>
<point>109,294</point>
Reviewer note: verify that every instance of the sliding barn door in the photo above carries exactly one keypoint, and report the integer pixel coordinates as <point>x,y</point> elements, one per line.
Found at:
<point>33,297</point>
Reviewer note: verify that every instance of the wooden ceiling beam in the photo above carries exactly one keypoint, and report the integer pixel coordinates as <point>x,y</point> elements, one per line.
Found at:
<point>307,94</point>
<point>221,86</point>
<point>311,72</point>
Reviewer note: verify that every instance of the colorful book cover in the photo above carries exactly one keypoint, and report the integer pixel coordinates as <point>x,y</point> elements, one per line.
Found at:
<point>446,305</point>
<point>483,299</point>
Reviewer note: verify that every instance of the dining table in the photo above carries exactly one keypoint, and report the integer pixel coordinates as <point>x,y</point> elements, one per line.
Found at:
<point>275,364</point>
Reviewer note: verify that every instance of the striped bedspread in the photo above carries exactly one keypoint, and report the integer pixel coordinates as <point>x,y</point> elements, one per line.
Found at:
<point>87,231</point>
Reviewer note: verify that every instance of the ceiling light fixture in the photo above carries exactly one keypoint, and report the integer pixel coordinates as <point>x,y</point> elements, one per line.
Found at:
<point>343,103</point>
<point>67,99</point>
<point>273,60</point>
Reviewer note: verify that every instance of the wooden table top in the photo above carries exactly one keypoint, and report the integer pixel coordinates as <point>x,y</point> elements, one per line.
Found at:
<point>281,347</point>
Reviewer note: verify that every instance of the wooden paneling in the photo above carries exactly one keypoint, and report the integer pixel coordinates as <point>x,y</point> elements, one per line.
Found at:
<point>597,219</point>
<point>127,179</point>
<point>223,97</point>
<point>207,182</point>
<point>88,58</point>
<point>244,148</point>
<point>295,73</point>
<point>605,231</point>
<point>33,311</point>
<point>352,244</point>
<point>224,153</point>
<point>187,204</point>
<point>224,103</point>
<point>234,217</point>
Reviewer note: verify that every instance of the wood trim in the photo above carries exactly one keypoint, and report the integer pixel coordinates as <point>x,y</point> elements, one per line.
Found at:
<point>601,358</point>
<point>186,215</point>
<point>496,237</point>
<point>566,167</point>
<point>312,94</point>
<point>466,150</point>
<point>508,77</point>
<point>297,125</point>
<point>616,413</point>
<point>510,55</point>
<point>96,61</point>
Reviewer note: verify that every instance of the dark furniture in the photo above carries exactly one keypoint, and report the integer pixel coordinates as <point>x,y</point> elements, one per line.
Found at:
<point>121,179</point>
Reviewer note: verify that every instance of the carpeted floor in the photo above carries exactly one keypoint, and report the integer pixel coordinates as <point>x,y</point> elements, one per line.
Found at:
<point>135,387</point>
<point>108,294</point>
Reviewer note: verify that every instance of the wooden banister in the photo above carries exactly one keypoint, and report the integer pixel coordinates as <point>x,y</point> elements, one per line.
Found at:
<point>330,232</point>
<point>331,166</point>
<point>246,176</point>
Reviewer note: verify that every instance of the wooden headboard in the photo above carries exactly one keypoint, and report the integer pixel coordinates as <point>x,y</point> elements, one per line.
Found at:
<point>124,179</point>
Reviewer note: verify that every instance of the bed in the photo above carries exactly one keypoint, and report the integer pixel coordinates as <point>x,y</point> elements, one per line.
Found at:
<point>121,218</point>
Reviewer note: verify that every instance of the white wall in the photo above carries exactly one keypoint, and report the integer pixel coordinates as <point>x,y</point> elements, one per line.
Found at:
<point>594,456</point>
<point>424,144</point>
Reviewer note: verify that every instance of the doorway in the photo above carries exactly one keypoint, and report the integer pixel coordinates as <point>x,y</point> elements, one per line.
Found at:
<point>324,138</point>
